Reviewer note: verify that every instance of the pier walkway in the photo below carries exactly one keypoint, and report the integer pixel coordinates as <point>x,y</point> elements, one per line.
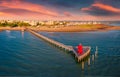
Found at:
<point>72,49</point>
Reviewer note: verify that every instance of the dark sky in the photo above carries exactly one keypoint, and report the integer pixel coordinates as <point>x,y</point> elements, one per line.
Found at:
<point>60,9</point>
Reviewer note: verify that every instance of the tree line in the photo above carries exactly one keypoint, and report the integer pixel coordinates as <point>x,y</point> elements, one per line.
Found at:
<point>14,24</point>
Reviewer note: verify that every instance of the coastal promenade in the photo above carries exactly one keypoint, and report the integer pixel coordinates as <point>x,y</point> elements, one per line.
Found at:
<point>79,57</point>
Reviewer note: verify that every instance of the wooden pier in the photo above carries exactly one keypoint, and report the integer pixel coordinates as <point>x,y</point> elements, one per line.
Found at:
<point>72,49</point>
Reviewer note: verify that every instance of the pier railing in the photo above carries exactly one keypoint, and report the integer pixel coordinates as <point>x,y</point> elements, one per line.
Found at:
<point>65,47</point>
<point>51,41</point>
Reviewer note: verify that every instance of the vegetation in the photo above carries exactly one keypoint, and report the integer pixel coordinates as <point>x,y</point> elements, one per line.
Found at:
<point>13,24</point>
<point>93,26</point>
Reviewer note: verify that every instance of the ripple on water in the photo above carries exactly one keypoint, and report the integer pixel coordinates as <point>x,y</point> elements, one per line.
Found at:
<point>32,56</point>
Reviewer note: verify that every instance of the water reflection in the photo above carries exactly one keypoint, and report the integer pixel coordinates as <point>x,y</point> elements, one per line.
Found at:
<point>8,32</point>
<point>22,33</point>
<point>96,52</point>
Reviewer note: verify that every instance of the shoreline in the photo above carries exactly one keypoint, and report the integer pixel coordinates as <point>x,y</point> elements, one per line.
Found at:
<point>14,28</point>
<point>76,28</point>
<point>99,28</point>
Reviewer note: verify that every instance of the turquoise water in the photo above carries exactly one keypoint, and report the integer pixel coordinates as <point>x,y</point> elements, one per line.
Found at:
<point>23,54</point>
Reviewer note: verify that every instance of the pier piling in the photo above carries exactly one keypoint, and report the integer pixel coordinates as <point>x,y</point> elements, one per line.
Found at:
<point>64,47</point>
<point>96,52</point>
<point>92,57</point>
<point>82,65</point>
<point>88,61</point>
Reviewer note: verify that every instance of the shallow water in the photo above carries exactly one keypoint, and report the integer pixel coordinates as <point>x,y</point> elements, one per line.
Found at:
<point>23,54</point>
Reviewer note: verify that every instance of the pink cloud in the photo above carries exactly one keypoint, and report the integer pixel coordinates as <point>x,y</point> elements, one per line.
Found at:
<point>102,7</point>
<point>106,7</point>
<point>101,11</point>
<point>4,14</point>
<point>21,9</point>
<point>68,14</point>
<point>21,4</point>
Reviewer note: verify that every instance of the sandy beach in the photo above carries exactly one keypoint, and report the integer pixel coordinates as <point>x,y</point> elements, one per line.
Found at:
<point>81,28</point>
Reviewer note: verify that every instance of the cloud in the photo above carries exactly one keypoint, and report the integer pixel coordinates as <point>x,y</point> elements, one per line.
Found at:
<point>60,9</point>
<point>101,10</point>
<point>114,3</point>
<point>2,13</point>
<point>22,12</point>
<point>21,6</point>
<point>68,14</point>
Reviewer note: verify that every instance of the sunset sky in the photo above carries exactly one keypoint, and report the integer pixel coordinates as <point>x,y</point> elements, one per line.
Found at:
<point>85,10</point>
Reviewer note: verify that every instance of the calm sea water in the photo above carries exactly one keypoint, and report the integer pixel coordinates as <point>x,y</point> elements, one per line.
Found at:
<point>23,54</point>
<point>115,23</point>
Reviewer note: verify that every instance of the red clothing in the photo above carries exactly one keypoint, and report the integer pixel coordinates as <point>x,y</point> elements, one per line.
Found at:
<point>80,49</point>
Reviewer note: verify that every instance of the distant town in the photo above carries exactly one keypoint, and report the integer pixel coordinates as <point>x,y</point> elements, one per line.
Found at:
<point>15,23</point>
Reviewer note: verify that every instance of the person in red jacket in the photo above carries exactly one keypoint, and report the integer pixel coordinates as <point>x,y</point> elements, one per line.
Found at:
<point>80,49</point>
